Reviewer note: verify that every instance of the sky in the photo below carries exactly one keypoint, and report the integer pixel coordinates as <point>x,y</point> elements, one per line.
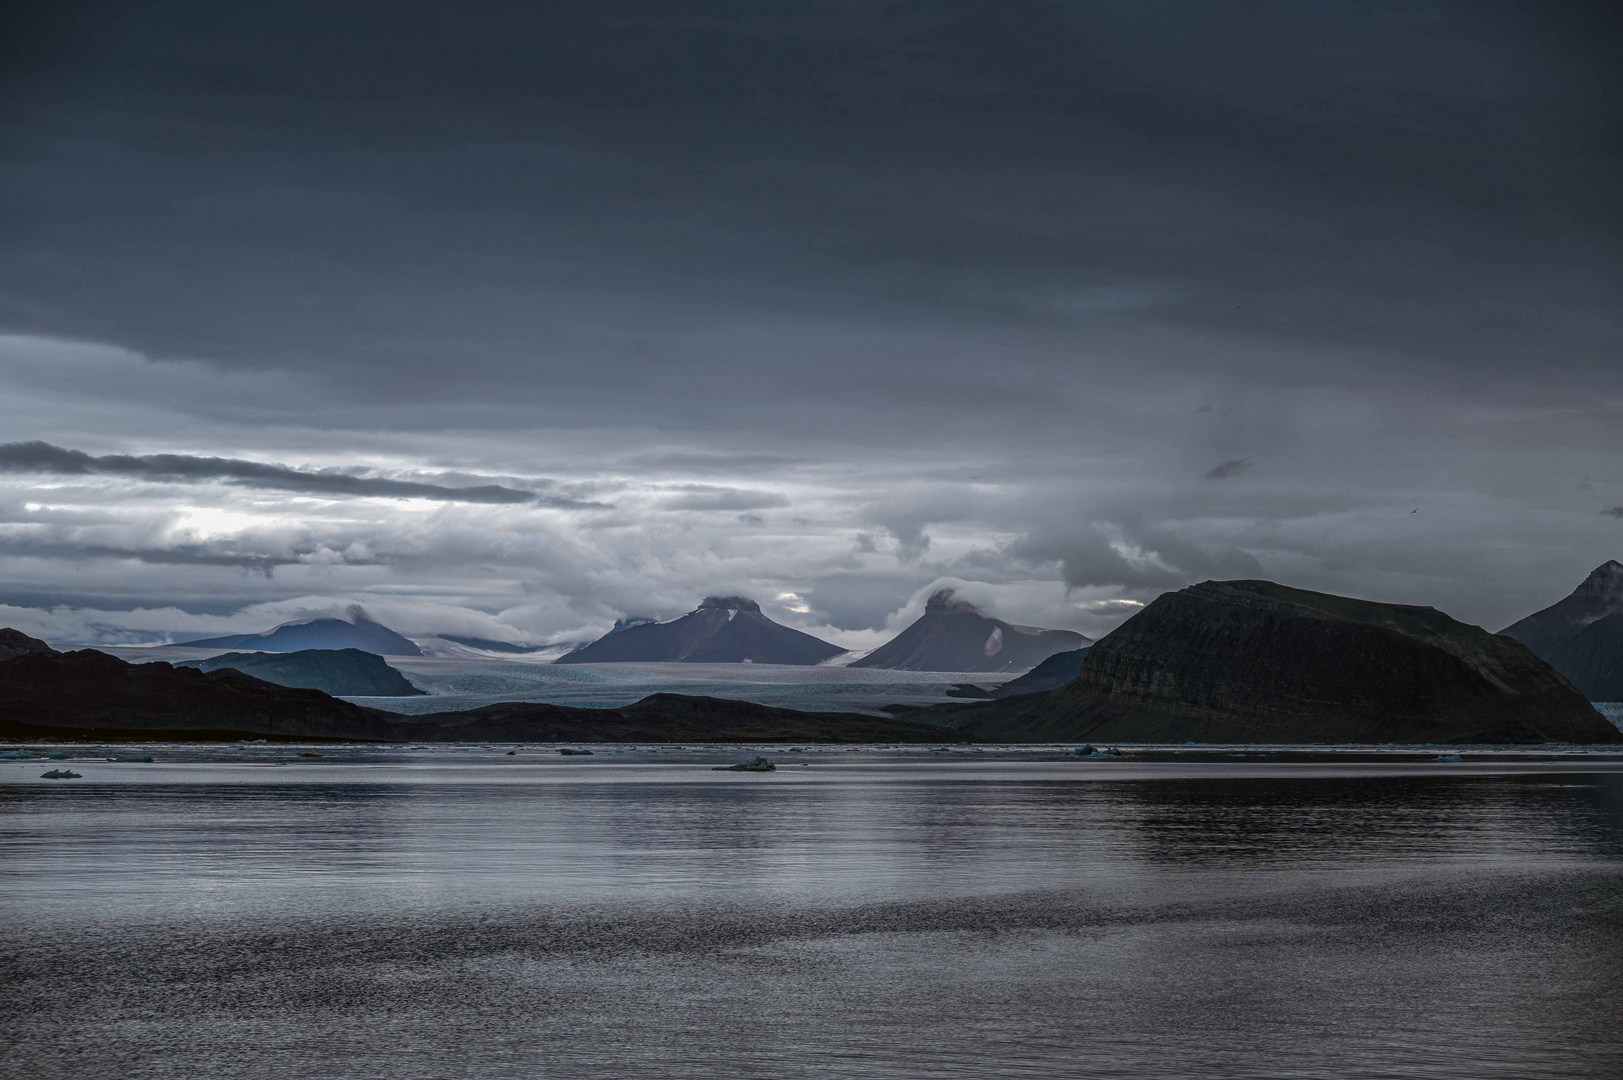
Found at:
<point>512,319</point>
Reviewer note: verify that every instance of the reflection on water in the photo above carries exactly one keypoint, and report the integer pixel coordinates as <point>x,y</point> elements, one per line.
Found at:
<point>871,919</point>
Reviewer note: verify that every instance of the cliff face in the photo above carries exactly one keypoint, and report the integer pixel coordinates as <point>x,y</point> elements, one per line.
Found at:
<point>341,672</point>
<point>1252,661</point>
<point>90,694</point>
<point>952,635</point>
<point>1600,595</point>
<point>722,630</point>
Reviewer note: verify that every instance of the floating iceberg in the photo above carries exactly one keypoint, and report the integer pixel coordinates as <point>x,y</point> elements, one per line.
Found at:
<point>568,751</point>
<point>60,774</point>
<point>759,764</point>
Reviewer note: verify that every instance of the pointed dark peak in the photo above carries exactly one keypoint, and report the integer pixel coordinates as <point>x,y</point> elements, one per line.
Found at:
<point>1605,580</point>
<point>945,602</point>
<point>730,603</point>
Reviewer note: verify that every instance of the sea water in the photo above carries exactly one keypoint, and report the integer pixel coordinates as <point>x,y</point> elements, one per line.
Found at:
<point>919,912</point>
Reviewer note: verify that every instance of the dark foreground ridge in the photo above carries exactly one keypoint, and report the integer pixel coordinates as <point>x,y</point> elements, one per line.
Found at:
<point>340,672</point>
<point>1256,662</point>
<point>89,695</point>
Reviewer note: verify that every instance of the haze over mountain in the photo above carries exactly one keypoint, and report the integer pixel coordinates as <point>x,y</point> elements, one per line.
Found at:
<point>721,630</point>
<point>953,635</point>
<point>356,632</point>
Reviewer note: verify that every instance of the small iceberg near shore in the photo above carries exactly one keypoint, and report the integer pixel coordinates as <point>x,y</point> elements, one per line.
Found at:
<point>60,774</point>
<point>142,758</point>
<point>759,764</point>
<point>572,753</point>
<point>1089,750</point>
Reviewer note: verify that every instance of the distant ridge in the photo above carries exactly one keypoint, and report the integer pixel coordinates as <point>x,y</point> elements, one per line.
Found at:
<point>339,672</point>
<point>953,635</point>
<point>721,630</point>
<point>358,632</point>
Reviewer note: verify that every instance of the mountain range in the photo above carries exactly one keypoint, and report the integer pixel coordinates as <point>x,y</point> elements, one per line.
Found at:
<point>1222,661</point>
<point>1581,636</point>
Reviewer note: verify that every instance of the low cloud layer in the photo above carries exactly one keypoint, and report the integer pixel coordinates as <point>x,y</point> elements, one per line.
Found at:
<point>42,457</point>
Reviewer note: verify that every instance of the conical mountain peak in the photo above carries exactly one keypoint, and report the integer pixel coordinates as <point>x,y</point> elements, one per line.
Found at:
<point>721,630</point>
<point>1600,595</point>
<point>954,635</point>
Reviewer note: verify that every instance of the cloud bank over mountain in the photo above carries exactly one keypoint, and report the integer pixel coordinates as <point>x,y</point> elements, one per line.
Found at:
<point>1066,304</point>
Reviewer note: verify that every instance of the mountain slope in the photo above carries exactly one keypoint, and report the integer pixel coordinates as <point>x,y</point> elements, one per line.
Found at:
<point>340,672</point>
<point>1601,594</point>
<point>721,630</point>
<point>1256,662</point>
<point>1592,658</point>
<point>953,635</point>
<point>358,632</point>
<point>1047,676</point>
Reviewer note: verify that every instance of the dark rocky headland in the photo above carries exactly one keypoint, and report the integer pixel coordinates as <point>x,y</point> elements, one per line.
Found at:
<point>1257,662</point>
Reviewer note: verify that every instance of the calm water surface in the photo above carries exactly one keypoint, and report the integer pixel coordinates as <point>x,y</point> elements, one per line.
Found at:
<point>461,913</point>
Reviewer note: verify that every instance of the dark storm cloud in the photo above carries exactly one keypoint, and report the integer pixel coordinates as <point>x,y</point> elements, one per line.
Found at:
<point>1616,511</point>
<point>179,468</point>
<point>1232,467</point>
<point>974,286</point>
<point>177,555</point>
<point>372,190</point>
